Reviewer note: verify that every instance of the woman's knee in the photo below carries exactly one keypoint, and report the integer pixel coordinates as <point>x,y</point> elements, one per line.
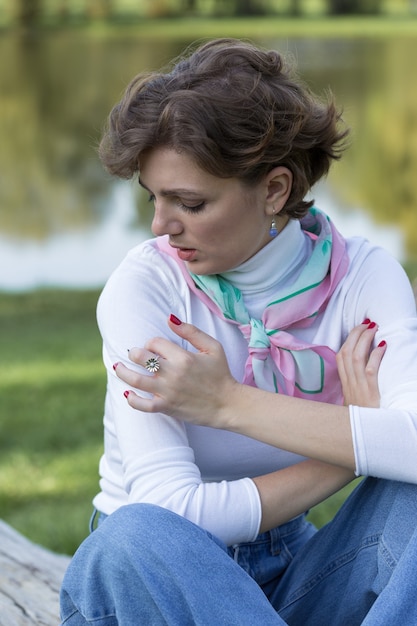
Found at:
<point>137,536</point>
<point>141,521</point>
<point>149,527</point>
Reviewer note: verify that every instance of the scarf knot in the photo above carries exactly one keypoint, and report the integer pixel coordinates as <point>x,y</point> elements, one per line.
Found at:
<point>256,334</point>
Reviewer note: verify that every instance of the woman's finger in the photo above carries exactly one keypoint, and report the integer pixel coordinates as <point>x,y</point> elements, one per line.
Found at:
<point>169,351</point>
<point>354,335</point>
<point>147,405</point>
<point>358,365</point>
<point>188,383</point>
<point>346,355</point>
<point>196,337</point>
<point>375,359</point>
<point>359,334</point>
<point>141,356</point>
<point>145,382</point>
<point>365,339</point>
<point>354,353</point>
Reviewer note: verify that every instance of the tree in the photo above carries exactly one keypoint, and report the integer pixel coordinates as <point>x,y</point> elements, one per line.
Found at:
<point>295,8</point>
<point>249,7</point>
<point>99,9</point>
<point>350,7</point>
<point>189,6</point>
<point>28,13</point>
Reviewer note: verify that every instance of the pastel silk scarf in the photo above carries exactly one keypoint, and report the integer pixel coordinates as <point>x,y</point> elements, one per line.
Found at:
<point>278,361</point>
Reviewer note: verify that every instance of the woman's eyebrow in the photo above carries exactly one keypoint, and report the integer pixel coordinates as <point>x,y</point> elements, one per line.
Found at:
<point>173,192</point>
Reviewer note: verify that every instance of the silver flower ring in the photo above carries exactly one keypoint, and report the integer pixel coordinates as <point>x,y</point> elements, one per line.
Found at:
<point>152,364</point>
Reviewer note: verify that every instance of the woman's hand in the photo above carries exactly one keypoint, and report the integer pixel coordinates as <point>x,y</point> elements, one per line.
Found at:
<point>188,385</point>
<point>199,388</point>
<point>358,366</point>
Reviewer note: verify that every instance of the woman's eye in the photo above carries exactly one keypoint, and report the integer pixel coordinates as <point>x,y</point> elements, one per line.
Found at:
<point>151,198</point>
<point>194,208</point>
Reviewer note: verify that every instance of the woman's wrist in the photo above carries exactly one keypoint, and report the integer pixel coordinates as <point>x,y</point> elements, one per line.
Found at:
<point>226,416</point>
<point>238,407</point>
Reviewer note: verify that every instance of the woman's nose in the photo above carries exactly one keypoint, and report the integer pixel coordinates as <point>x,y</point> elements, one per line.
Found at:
<point>165,222</point>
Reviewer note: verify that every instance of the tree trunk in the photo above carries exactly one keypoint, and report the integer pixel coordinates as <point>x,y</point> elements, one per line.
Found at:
<point>28,13</point>
<point>30,578</point>
<point>249,7</point>
<point>351,7</point>
<point>295,8</point>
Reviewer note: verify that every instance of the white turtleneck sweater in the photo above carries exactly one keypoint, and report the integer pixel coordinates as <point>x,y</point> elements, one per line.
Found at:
<point>206,474</point>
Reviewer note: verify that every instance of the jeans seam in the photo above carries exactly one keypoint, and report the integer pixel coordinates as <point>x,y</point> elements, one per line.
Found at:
<point>88,620</point>
<point>330,568</point>
<point>389,560</point>
<point>64,621</point>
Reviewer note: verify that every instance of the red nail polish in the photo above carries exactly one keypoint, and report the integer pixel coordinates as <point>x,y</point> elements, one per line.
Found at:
<point>174,319</point>
<point>126,393</point>
<point>115,365</point>
<point>382,344</point>
<point>372,325</point>
<point>366,321</point>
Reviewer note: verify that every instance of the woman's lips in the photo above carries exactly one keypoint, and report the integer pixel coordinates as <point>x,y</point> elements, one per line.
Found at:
<point>186,254</point>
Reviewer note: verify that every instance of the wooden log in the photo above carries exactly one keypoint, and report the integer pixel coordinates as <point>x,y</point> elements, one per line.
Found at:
<point>30,579</point>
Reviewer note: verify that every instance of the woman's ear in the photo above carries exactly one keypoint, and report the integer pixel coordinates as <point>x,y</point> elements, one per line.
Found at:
<point>279,185</point>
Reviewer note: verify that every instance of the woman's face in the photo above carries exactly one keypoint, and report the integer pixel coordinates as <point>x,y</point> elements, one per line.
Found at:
<point>214,223</point>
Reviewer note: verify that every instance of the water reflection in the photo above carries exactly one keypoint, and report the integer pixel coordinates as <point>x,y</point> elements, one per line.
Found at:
<point>82,259</point>
<point>86,259</point>
<point>64,222</point>
<point>355,221</point>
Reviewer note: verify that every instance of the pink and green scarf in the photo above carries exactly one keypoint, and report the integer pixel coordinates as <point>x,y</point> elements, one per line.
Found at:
<point>277,361</point>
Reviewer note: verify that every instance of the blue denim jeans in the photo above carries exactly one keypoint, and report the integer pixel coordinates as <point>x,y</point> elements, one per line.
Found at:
<point>96,519</point>
<point>148,566</point>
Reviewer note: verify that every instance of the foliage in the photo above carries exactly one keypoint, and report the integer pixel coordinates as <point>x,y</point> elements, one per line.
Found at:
<point>30,13</point>
<point>384,124</point>
<point>349,7</point>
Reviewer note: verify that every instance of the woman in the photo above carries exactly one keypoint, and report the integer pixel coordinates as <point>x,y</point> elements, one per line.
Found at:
<point>227,144</point>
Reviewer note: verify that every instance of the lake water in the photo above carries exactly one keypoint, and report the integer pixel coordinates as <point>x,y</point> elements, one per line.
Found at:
<point>64,222</point>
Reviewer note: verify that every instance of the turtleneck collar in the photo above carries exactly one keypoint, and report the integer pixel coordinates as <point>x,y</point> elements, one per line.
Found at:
<point>277,263</point>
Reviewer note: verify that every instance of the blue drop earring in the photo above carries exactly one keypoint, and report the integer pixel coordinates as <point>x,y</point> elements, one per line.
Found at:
<point>273,232</point>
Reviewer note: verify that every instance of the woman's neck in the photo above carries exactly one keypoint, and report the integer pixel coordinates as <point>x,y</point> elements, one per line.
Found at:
<point>274,266</point>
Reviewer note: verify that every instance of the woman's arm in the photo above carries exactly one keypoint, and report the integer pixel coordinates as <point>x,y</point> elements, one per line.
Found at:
<point>304,485</point>
<point>149,458</point>
<point>198,387</point>
<point>290,491</point>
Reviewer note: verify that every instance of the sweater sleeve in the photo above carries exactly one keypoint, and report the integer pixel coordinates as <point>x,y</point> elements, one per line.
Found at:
<point>149,454</point>
<point>385,438</point>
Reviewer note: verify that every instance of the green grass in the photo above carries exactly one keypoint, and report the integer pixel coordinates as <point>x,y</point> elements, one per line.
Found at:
<point>51,397</point>
<point>324,512</point>
<point>52,386</point>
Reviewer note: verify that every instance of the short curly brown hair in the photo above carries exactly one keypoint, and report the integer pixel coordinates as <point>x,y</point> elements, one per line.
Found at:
<point>237,110</point>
